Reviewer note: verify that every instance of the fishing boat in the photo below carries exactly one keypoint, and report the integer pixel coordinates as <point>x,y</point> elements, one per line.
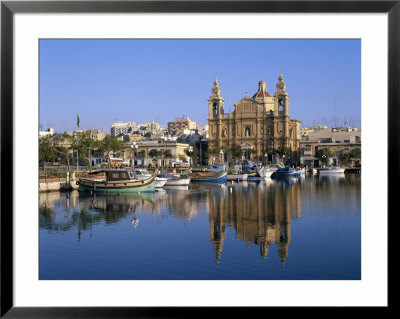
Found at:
<point>208,177</point>
<point>287,172</point>
<point>253,172</point>
<point>269,170</point>
<point>236,174</point>
<point>142,174</point>
<point>331,170</point>
<point>174,180</point>
<point>116,181</point>
<point>256,174</point>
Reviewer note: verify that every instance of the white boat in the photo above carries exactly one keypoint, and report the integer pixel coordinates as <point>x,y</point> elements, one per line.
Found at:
<point>269,170</point>
<point>159,182</point>
<point>331,170</point>
<point>174,180</point>
<point>236,176</point>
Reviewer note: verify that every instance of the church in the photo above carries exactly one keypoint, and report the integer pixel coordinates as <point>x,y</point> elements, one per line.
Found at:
<point>258,123</point>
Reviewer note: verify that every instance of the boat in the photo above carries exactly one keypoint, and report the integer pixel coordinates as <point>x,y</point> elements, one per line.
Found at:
<point>253,172</point>
<point>144,174</point>
<point>208,177</point>
<point>236,174</point>
<point>256,174</point>
<point>269,170</point>
<point>174,180</point>
<point>287,172</point>
<point>116,181</point>
<point>331,170</point>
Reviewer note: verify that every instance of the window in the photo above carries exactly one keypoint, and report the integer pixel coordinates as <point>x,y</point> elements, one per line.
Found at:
<point>281,105</point>
<point>215,108</point>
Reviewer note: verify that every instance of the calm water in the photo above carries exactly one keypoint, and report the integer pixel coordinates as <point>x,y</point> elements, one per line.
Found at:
<point>306,228</point>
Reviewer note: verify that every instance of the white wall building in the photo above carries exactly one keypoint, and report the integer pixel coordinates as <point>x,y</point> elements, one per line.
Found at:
<point>118,128</point>
<point>49,131</point>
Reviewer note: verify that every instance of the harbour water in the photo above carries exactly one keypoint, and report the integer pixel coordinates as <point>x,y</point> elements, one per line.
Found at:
<point>306,228</point>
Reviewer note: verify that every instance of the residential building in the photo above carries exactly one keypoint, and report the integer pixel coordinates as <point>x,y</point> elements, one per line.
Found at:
<point>180,124</point>
<point>49,131</point>
<point>119,128</point>
<point>338,140</point>
<point>97,135</point>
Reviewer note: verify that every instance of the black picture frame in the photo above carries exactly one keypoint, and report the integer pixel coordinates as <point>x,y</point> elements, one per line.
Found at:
<point>9,8</point>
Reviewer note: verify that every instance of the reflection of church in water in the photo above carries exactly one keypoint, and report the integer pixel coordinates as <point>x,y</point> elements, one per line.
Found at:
<point>259,216</point>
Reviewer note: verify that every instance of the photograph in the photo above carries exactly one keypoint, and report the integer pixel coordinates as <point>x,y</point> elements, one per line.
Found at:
<point>199,159</point>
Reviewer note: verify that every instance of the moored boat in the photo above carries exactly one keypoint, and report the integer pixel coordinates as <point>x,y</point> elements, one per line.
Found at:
<point>174,180</point>
<point>331,170</point>
<point>208,177</point>
<point>236,176</point>
<point>159,182</point>
<point>287,172</point>
<point>269,170</point>
<point>256,174</point>
<point>117,181</point>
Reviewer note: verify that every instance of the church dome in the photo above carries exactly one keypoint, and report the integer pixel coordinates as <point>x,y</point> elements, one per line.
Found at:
<point>262,90</point>
<point>261,94</point>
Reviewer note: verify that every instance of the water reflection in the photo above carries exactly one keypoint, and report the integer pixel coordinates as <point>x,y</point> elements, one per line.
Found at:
<point>260,213</point>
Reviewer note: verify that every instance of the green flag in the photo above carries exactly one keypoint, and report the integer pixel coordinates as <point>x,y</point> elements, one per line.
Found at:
<point>77,120</point>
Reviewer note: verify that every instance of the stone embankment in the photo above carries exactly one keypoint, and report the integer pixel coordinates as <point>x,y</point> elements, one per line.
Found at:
<point>57,184</point>
<point>50,186</point>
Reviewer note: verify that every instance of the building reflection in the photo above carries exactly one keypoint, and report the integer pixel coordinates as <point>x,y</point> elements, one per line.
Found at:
<point>260,214</point>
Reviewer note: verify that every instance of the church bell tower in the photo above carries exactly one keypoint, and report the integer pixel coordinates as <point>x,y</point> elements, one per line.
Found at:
<point>215,102</point>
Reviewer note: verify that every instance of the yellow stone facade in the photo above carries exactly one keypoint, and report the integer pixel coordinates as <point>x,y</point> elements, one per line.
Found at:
<point>259,122</point>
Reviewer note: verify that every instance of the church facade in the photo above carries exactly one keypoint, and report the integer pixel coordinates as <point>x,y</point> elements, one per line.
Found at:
<point>258,123</point>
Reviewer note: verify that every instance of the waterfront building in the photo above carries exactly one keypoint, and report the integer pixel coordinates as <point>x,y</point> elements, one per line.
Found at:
<point>339,140</point>
<point>119,128</point>
<point>258,123</point>
<point>142,156</point>
<point>179,125</point>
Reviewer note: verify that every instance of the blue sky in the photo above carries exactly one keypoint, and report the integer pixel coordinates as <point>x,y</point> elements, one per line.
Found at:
<point>144,80</point>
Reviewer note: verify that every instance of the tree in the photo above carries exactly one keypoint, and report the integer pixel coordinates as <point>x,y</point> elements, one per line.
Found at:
<point>345,157</point>
<point>50,150</point>
<point>283,150</point>
<point>109,144</point>
<point>324,154</point>
<point>192,154</point>
<point>46,150</point>
<point>236,152</point>
<point>355,154</point>
<point>83,144</point>
<point>212,152</point>
<point>154,153</point>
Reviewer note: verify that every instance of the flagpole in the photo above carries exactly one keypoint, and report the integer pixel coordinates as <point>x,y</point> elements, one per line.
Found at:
<point>77,152</point>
